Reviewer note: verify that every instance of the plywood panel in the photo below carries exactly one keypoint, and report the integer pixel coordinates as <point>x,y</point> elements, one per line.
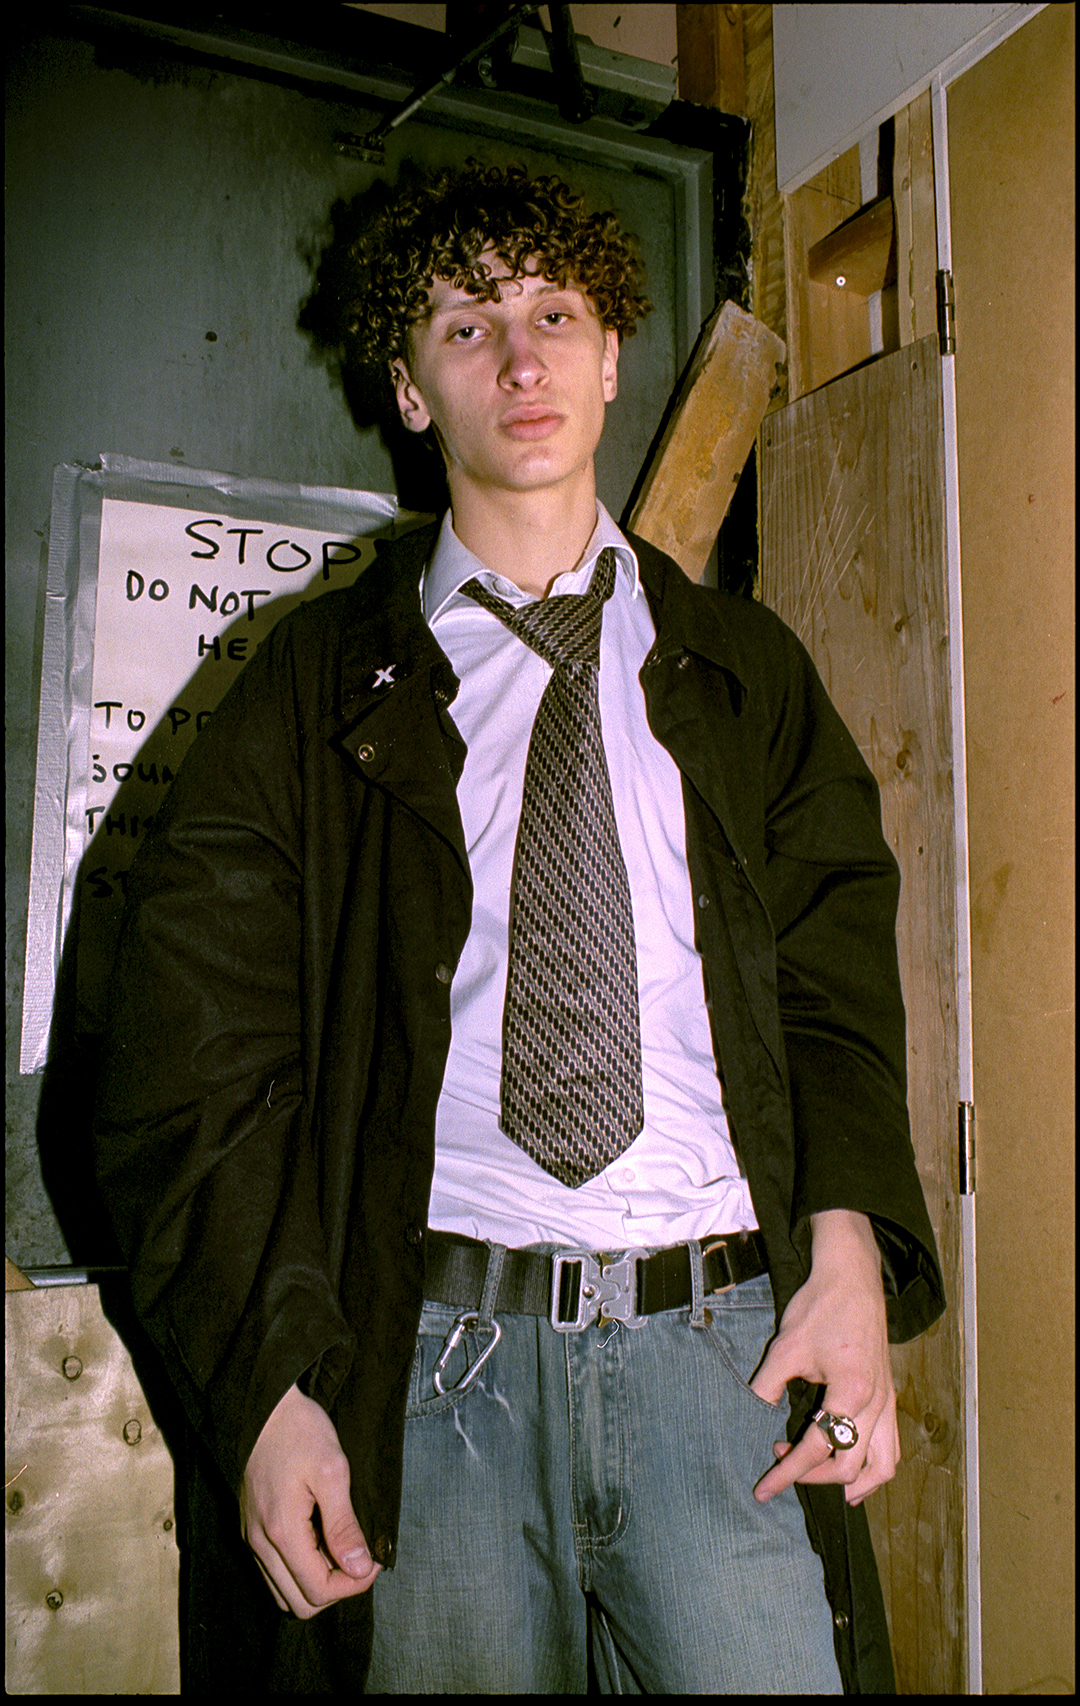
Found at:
<point>1012,150</point>
<point>852,558</point>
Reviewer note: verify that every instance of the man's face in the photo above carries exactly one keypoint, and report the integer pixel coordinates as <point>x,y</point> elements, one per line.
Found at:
<point>516,388</point>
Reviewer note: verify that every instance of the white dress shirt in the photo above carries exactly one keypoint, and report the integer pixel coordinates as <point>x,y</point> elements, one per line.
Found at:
<point>679,1179</point>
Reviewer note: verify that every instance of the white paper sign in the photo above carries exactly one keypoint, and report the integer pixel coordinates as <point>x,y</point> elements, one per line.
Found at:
<point>184,597</point>
<point>156,601</point>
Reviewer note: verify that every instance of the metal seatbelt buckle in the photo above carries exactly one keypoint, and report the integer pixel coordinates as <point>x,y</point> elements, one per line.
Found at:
<point>582,1290</point>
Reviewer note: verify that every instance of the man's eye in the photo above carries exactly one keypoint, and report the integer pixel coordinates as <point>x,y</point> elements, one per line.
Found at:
<point>555,317</point>
<point>465,334</point>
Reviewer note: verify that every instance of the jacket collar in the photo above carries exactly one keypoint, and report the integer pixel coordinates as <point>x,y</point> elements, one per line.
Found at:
<point>386,639</point>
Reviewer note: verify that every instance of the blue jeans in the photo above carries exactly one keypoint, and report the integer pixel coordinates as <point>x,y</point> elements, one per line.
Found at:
<point>583,1515</point>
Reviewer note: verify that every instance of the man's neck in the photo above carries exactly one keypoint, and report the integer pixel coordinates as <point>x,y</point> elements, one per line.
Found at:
<point>529,537</point>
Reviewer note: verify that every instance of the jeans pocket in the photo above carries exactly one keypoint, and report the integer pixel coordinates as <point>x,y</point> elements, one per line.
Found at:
<point>449,1349</point>
<point>739,1334</point>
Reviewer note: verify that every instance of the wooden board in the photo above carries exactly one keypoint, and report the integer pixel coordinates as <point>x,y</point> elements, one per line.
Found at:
<point>916,223</point>
<point>712,66</point>
<point>852,557</point>
<point>763,207</point>
<point>696,466</point>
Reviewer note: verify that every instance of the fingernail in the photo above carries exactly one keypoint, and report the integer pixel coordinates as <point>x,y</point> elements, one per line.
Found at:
<point>356,1562</point>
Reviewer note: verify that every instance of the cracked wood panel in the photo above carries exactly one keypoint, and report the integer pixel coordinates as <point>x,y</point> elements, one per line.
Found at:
<point>852,557</point>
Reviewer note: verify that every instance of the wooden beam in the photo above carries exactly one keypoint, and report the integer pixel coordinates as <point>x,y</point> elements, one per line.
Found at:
<point>860,255</point>
<point>696,467</point>
<point>763,205</point>
<point>916,224</point>
<point>711,56</point>
<point>828,332</point>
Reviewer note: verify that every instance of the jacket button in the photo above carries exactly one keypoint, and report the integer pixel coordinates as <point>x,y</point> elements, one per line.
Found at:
<point>365,754</point>
<point>703,901</point>
<point>414,1234</point>
<point>443,973</point>
<point>684,660</point>
<point>841,1619</point>
<point>442,696</point>
<point>382,1549</point>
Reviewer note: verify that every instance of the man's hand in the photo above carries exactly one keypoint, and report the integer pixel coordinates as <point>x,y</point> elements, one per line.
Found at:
<point>295,1512</point>
<point>834,1333</point>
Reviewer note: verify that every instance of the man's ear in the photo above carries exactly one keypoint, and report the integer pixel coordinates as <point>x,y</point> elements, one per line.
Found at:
<point>609,365</point>
<point>409,400</point>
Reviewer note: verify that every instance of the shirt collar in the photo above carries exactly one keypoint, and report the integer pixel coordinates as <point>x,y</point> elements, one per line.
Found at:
<point>452,564</point>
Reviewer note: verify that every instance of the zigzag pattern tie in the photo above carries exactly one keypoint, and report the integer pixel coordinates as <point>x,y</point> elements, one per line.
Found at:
<point>571,1072</point>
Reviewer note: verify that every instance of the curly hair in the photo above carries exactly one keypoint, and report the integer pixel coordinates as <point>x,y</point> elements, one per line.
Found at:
<point>439,225</point>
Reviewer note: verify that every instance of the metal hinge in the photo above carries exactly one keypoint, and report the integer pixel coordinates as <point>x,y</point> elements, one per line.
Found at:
<point>967,1149</point>
<point>946,313</point>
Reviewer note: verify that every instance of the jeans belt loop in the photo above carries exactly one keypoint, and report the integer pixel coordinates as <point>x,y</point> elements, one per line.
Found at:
<point>697,1284</point>
<point>707,1250</point>
<point>490,1292</point>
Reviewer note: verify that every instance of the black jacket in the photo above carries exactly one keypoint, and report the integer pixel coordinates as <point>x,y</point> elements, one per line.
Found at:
<point>280,1017</point>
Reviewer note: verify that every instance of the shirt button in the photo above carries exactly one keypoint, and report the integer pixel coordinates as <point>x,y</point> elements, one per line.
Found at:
<point>365,754</point>
<point>443,973</point>
<point>628,1175</point>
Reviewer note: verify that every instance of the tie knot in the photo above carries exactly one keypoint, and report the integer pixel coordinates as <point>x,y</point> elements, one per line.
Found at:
<point>561,630</point>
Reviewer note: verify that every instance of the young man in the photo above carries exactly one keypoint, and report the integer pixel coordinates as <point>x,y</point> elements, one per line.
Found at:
<point>503,1108</point>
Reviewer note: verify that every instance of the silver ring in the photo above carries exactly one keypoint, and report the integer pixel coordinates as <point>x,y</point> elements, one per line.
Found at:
<point>840,1431</point>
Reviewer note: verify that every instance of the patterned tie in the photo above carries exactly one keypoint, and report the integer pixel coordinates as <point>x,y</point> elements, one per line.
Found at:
<point>571,1073</point>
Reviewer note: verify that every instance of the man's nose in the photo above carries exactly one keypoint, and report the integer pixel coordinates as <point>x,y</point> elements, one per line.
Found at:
<point>522,364</point>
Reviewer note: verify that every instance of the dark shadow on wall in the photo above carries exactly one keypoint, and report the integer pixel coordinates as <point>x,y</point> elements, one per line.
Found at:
<point>325,319</point>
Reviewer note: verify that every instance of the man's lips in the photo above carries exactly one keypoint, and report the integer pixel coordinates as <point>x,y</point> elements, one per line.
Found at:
<point>531,423</point>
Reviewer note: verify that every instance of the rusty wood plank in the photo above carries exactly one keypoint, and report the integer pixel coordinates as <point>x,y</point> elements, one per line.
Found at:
<point>696,467</point>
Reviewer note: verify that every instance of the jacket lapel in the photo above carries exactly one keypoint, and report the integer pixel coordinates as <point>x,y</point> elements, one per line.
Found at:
<point>395,687</point>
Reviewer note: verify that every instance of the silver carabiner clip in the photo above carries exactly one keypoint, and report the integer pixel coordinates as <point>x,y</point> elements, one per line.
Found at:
<point>461,1325</point>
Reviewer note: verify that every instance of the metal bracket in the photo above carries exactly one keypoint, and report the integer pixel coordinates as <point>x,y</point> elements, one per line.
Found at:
<point>372,145</point>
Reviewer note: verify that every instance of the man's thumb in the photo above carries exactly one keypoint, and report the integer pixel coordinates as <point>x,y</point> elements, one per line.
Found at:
<point>346,1545</point>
